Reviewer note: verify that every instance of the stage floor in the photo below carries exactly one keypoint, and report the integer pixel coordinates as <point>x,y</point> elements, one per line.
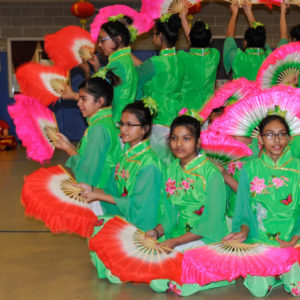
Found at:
<point>35,264</point>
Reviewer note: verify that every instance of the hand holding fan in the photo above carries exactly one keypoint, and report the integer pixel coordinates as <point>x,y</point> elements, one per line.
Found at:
<point>50,195</point>
<point>35,126</point>
<point>231,259</point>
<point>45,83</point>
<point>69,47</point>
<point>124,250</point>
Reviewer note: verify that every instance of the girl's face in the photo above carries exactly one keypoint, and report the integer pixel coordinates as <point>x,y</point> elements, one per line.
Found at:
<point>105,43</point>
<point>274,139</point>
<point>87,104</point>
<point>183,144</point>
<point>132,131</point>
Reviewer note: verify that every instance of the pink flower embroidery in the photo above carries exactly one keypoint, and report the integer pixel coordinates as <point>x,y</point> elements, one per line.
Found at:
<point>117,169</point>
<point>257,185</point>
<point>174,289</point>
<point>231,168</point>
<point>185,184</point>
<point>295,291</point>
<point>239,164</point>
<point>277,182</point>
<point>183,111</point>
<point>170,186</point>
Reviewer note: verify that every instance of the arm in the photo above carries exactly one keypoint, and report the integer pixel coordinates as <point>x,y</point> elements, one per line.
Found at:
<point>232,22</point>
<point>184,23</point>
<point>136,60</point>
<point>229,180</point>
<point>64,144</point>
<point>69,94</point>
<point>283,26</point>
<point>248,12</point>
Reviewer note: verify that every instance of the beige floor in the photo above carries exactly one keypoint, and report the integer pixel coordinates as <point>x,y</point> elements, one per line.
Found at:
<point>35,264</point>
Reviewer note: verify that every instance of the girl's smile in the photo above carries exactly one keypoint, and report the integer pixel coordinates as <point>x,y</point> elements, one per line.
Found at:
<point>87,104</point>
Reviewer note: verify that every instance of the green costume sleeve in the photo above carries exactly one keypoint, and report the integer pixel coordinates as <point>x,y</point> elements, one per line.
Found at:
<point>145,72</point>
<point>141,207</point>
<point>88,165</point>
<point>296,230</point>
<point>282,42</point>
<point>295,146</point>
<point>211,225</point>
<point>243,214</point>
<point>169,219</point>
<point>229,53</point>
<point>268,48</point>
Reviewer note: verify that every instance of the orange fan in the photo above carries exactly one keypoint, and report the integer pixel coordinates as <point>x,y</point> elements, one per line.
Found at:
<point>69,47</point>
<point>124,250</point>
<point>45,83</point>
<point>49,195</point>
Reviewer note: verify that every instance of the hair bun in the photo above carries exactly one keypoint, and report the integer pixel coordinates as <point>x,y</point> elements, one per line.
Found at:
<point>175,21</point>
<point>128,20</point>
<point>199,26</point>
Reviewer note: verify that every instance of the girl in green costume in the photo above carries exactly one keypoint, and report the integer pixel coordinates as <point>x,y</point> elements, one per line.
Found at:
<point>194,213</point>
<point>200,63</point>
<point>268,203</point>
<point>245,63</point>
<point>114,40</point>
<point>160,77</point>
<point>99,149</point>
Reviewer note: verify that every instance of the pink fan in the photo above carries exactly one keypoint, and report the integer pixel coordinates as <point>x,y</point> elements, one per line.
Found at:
<point>282,66</point>
<point>223,148</point>
<point>157,8</point>
<point>228,94</point>
<point>35,126</point>
<point>243,117</point>
<point>229,260</point>
<point>69,47</point>
<point>45,83</point>
<point>141,22</point>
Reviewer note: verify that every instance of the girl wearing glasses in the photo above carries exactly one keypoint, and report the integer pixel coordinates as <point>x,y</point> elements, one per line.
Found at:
<point>99,148</point>
<point>268,202</point>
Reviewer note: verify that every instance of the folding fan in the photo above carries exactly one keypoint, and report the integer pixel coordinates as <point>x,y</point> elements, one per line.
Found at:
<point>69,47</point>
<point>35,126</point>
<point>45,83</point>
<point>50,195</point>
<point>228,94</point>
<point>282,66</point>
<point>141,21</point>
<point>157,8</point>
<point>231,259</point>
<point>223,148</point>
<point>243,118</point>
<point>124,250</point>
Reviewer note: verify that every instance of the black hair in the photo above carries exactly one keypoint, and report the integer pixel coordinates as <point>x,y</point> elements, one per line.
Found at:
<point>192,124</point>
<point>98,87</point>
<point>118,28</point>
<point>142,113</point>
<point>200,35</point>
<point>271,118</point>
<point>255,37</point>
<point>169,29</point>
<point>295,33</point>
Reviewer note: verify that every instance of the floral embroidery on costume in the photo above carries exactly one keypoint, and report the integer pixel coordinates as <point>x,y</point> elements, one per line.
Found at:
<point>199,212</point>
<point>296,289</point>
<point>233,166</point>
<point>99,222</point>
<point>258,186</point>
<point>185,185</point>
<point>287,201</point>
<point>122,173</point>
<point>173,288</point>
<point>272,237</point>
<point>125,192</point>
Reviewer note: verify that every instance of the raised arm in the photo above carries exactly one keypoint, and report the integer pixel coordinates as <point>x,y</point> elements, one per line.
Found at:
<point>184,23</point>
<point>248,12</point>
<point>232,22</point>
<point>283,26</point>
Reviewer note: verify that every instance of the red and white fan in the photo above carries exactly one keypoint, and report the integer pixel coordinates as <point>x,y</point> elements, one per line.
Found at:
<point>223,148</point>
<point>35,126</point>
<point>45,83</point>
<point>69,47</point>
<point>50,195</point>
<point>157,8</point>
<point>232,259</point>
<point>124,250</point>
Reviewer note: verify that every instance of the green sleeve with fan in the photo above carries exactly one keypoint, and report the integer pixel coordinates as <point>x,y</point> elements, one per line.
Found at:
<point>195,200</point>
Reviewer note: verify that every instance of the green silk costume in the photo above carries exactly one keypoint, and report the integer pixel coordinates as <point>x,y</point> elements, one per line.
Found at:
<point>161,78</point>
<point>295,146</point>
<point>268,202</point>
<point>200,71</point>
<point>121,64</point>
<point>243,63</point>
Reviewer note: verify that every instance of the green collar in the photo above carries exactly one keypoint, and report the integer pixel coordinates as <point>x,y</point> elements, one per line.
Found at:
<point>100,114</point>
<point>255,51</point>
<point>118,53</point>
<point>200,51</point>
<point>168,51</point>
<point>284,158</point>
<point>195,162</point>
<point>137,149</point>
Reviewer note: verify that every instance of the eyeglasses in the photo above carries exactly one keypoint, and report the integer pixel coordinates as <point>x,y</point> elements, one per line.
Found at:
<point>127,125</point>
<point>103,39</point>
<point>271,136</point>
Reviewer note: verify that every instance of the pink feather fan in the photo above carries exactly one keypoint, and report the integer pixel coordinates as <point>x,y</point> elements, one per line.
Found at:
<point>45,83</point>
<point>223,148</point>
<point>243,118</point>
<point>35,126</point>
<point>228,94</point>
<point>141,22</point>
<point>69,47</point>
<point>230,260</point>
